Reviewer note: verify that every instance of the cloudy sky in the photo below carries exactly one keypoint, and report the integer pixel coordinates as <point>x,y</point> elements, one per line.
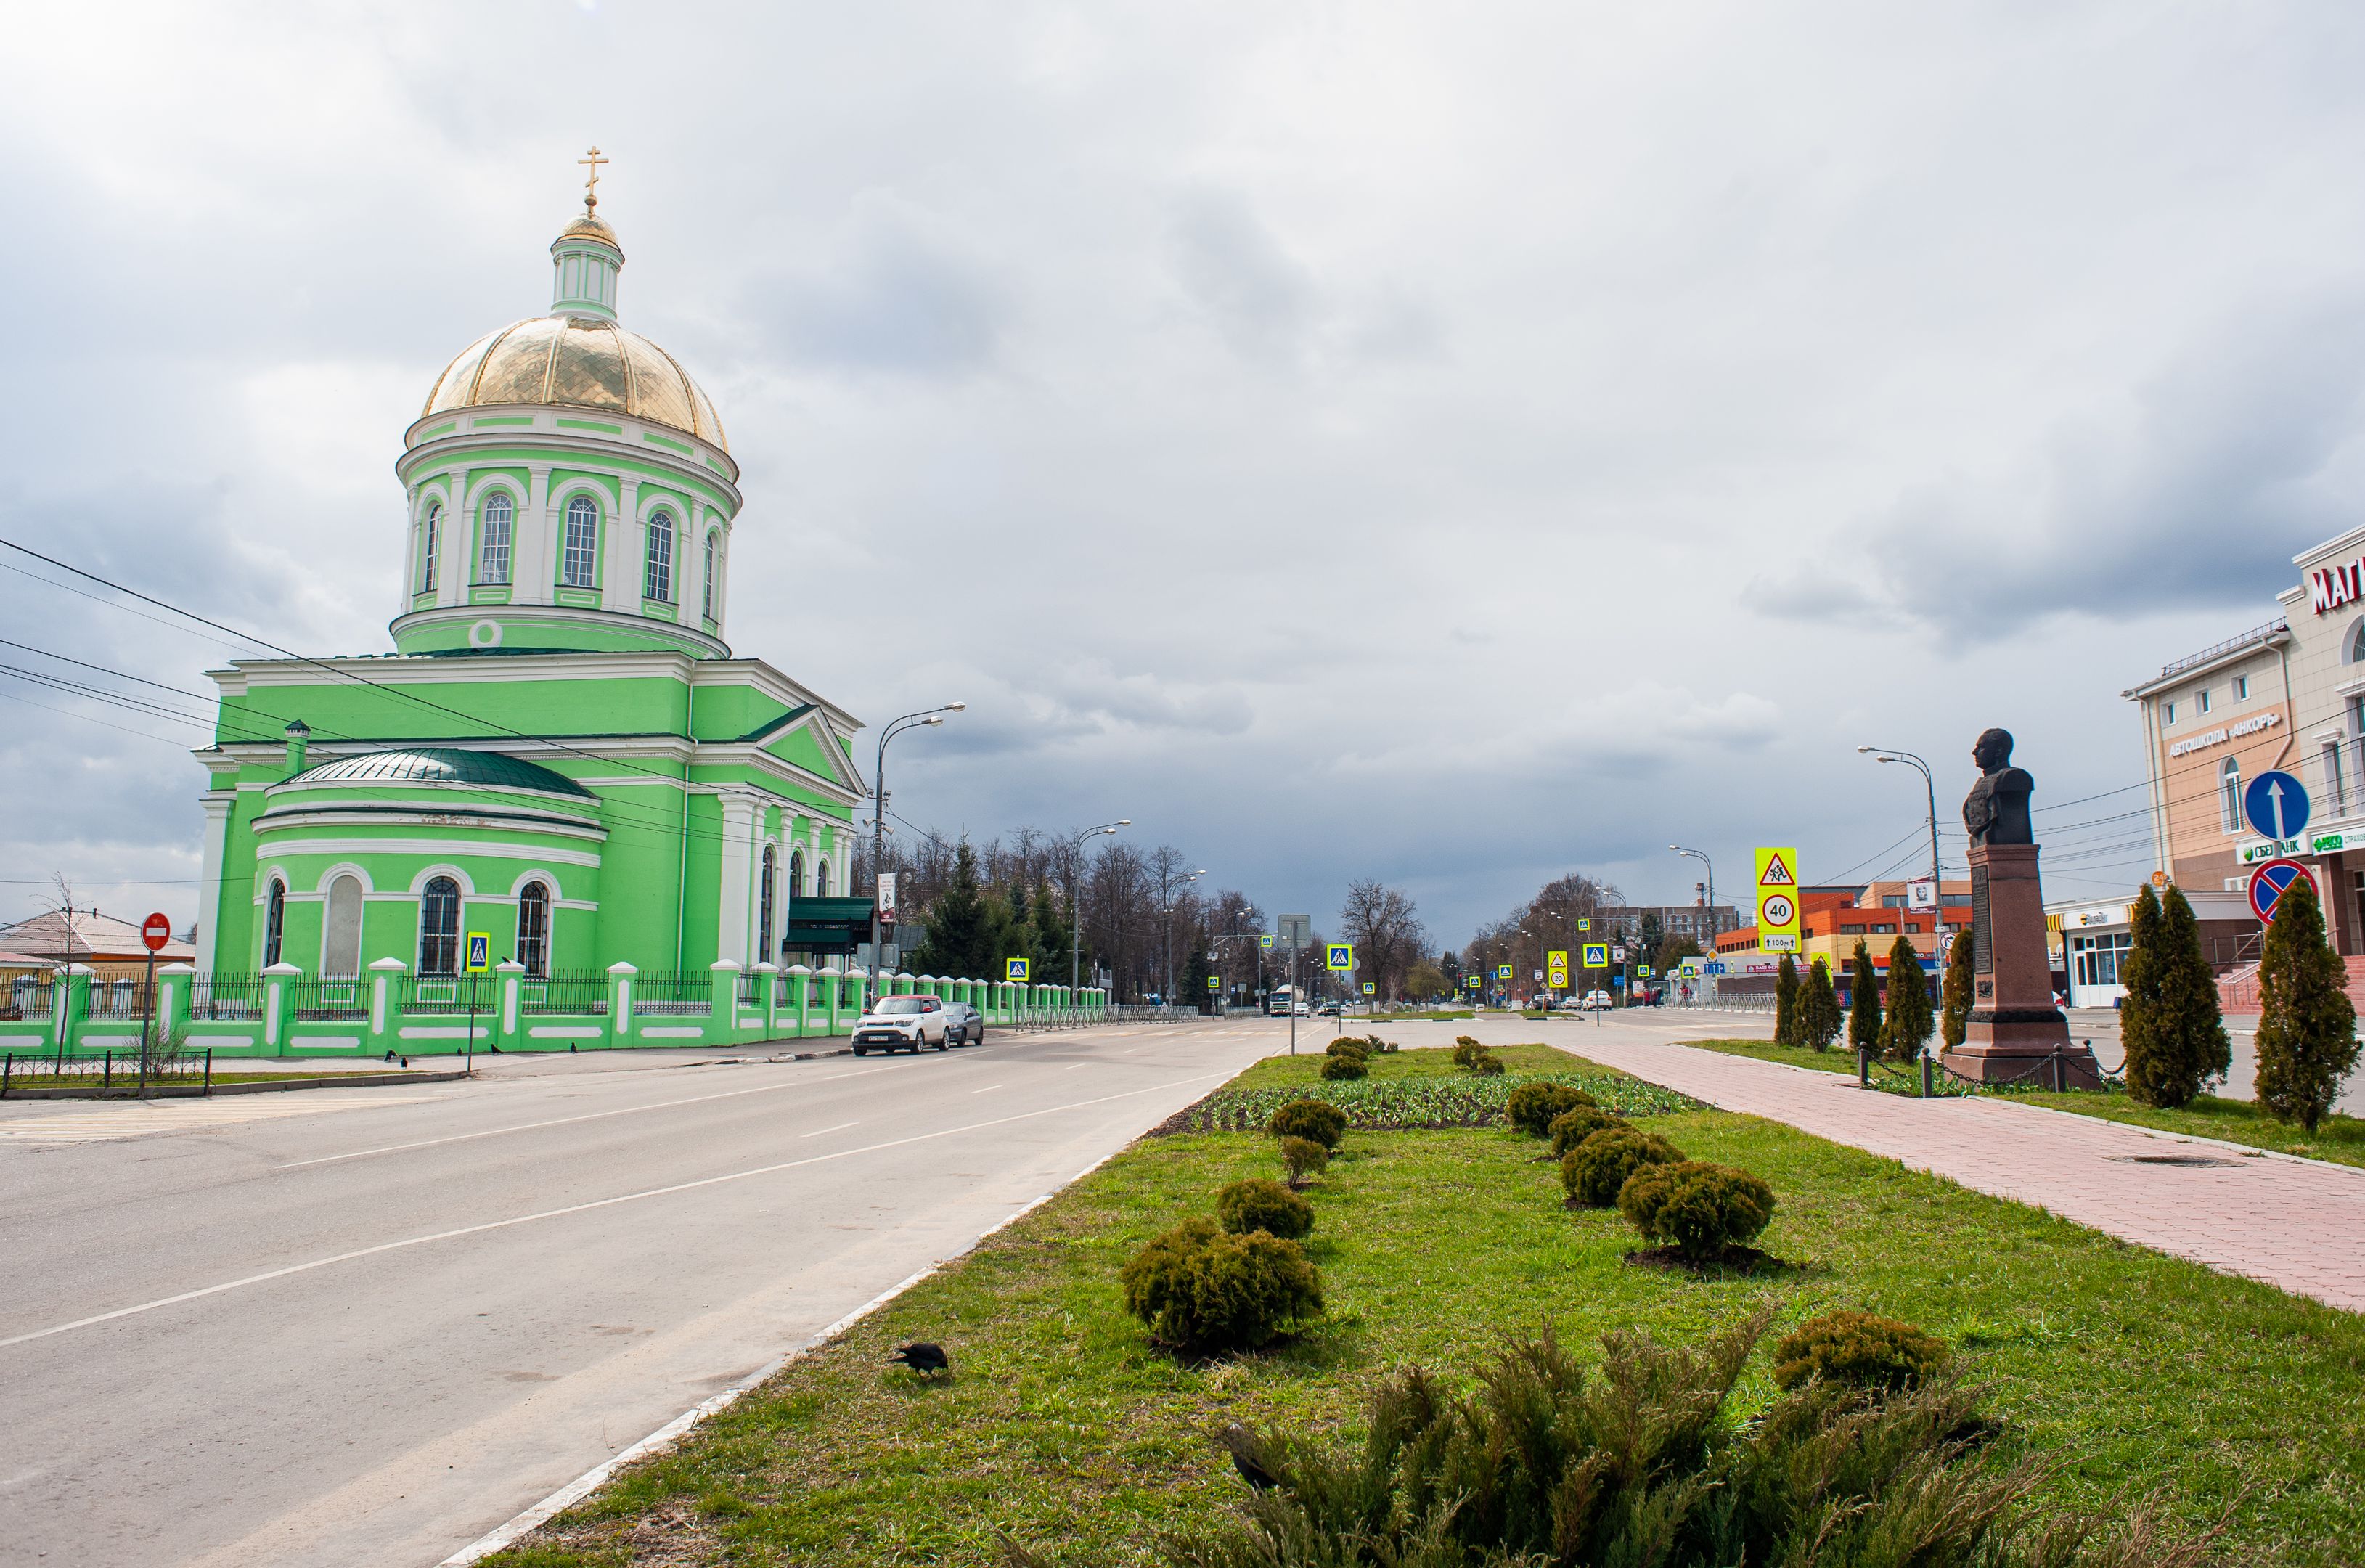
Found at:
<point>1455,444</point>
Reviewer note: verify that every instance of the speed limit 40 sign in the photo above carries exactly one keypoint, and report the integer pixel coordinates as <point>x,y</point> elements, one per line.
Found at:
<point>1778,900</point>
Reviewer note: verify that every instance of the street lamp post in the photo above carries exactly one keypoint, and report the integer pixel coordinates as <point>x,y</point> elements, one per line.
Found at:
<point>1076,898</point>
<point>1166,997</point>
<point>1937,887</point>
<point>921,720</point>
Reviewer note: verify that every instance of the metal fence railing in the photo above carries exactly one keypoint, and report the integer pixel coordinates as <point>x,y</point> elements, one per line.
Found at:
<point>104,1069</point>
<point>661,991</point>
<point>226,995</point>
<point>26,997</point>
<point>751,991</point>
<point>577,992</point>
<point>330,999</point>
<point>125,998</point>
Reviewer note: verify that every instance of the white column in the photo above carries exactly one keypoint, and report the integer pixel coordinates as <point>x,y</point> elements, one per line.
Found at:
<point>737,913</point>
<point>218,804</point>
<point>459,564</point>
<point>622,590</point>
<point>535,570</point>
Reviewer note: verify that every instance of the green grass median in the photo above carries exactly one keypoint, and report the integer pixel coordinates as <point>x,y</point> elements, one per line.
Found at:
<point>2126,1372</point>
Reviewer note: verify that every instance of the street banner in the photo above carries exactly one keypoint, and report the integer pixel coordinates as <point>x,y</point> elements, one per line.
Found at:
<point>886,897</point>
<point>1778,900</point>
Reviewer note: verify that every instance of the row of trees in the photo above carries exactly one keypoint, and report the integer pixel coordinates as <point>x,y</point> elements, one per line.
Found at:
<point>1807,1010</point>
<point>1548,924</point>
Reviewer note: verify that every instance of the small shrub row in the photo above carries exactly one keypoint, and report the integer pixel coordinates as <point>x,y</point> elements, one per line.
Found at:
<point>1698,1208</point>
<point>1860,1351</point>
<point>1306,1117</point>
<point>1596,1170</point>
<point>1201,1289</point>
<point>1443,1101</point>
<point>1532,1105</point>
<point>1573,1127</point>
<point>1260,1205</point>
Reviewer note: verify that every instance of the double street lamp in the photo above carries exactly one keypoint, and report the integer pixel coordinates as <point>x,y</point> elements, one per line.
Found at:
<point>920,720</point>
<point>1170,892</point>
<point>1930,785</point>
<point>1076,897</point>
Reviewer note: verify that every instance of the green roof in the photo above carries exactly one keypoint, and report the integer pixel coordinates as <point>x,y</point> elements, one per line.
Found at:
<point>442,765</point>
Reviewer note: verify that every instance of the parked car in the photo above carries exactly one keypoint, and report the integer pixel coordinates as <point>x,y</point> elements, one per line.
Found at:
<point>905,1023</point>
<point>964,1024</point>
<point>1597,1000</point>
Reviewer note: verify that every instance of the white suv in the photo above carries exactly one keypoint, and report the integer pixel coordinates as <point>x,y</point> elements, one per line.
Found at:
<point>905,1023</point>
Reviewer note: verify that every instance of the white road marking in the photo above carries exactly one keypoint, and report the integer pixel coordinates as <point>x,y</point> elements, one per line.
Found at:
<point>487,1225</point>
<point>987,1090</point>
<point>587,1116</point>
<point>839,1128</point>
<point>106,1125</point>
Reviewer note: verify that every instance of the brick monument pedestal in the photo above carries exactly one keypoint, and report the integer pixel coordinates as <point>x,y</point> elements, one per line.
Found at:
<point>2014,1034</point>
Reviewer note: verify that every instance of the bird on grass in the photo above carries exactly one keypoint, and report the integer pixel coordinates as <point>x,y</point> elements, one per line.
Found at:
<point>922,1357</point>
<point>1247,1453</point>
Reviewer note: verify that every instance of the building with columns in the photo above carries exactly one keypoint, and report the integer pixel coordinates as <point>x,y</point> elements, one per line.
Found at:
<point>562,752</point>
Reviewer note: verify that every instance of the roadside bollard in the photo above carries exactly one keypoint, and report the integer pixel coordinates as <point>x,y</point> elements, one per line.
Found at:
<point>1925,1073</point>
<point>1863,1068</point>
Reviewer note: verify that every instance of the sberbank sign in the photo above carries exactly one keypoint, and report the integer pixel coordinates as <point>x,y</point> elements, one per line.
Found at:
<point>2259,849</point>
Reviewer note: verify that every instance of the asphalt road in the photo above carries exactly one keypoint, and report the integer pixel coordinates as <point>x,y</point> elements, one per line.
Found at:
<point>366,1325</point>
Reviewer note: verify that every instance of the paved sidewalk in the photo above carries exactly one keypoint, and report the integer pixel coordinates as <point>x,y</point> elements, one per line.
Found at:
<point>2295,1224</point>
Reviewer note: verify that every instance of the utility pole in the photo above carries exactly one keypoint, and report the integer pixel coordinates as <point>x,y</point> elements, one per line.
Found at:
<point>879,823</point>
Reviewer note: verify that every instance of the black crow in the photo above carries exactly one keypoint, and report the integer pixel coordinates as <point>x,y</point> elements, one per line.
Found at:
<point>1242,1445</point>
<point>923,1357</point>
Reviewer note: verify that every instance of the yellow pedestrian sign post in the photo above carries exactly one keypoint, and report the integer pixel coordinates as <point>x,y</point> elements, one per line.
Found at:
<point>1014,970</point>
<point>1342,957</point>
<point>480,952</point>
<point>1778,900</point>
<point>1584,923</point>
<point>1556,966</point>
<point>1597,955</point>
<point>1371,988</point>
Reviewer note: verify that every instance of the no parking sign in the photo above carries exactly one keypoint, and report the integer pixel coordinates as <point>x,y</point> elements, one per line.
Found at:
<point>2271,881</point>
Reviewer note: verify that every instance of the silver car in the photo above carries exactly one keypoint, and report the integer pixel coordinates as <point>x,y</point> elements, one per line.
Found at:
<point>964,1024</point>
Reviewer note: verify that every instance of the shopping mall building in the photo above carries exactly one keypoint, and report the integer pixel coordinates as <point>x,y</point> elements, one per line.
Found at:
<point>2288,694</point>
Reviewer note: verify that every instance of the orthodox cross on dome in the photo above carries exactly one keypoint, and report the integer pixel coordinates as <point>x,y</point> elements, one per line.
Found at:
<point>591,180</point>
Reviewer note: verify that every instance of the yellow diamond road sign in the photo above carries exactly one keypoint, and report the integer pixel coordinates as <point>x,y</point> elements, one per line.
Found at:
<point>1778,900</point>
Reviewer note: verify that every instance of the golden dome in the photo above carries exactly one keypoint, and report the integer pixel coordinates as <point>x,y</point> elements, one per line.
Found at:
<point>577,363</point>
<point>591,227</point>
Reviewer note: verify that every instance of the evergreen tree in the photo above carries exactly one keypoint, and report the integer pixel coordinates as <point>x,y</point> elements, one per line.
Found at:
<point>1047,936</point>
<point>1864,1001</point>
<point>958,924</point>
<point>1195,970</point>
<point>1820,1017</point>
<point>2307,1027</point>
<point>1956,1021</point>
<point>1906,1029</point>
<point>1786,1002</point>
<point>2175,1034</point>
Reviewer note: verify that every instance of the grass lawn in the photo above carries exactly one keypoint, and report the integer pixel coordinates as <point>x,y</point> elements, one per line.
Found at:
<point>2131,1372</point>
<point>1305,1067</point>
<point>2340,1139</point>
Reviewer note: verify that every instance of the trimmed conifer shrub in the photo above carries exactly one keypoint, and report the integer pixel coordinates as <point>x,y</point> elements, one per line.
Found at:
<point>1304,1157</point>
<point>1532,1106</point>
<point>1315,1119</point>
<point>1594,1171</point>
<point>1262,1204</point>
<point>1954,1021</point>
<point>2307,1027</point>
<point>1345,1066</point>
<point>1819,1018</point>
<point>2171,1024</point>
<point>1864,1001</point>
<point>1467,1052</point>
<point>1200,1288</point>
<point>1573,1127</point>
<point>1786,1002</point>
<point>1905,1028</point>
<point>1860,1351</point>
<point>1488,1066</point>
<point>1348,1045</point>
<point>1699,1207</point>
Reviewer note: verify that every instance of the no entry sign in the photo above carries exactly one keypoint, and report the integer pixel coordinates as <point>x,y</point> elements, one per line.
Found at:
<point>2272,880</point>
<point>155,931</point>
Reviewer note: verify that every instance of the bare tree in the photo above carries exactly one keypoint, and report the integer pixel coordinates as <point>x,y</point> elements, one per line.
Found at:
<point>1385,927</point>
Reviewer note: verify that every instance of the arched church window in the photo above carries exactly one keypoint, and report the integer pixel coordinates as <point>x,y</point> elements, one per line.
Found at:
<point>796,874</point>
<point>340,948</point>
<point>656,580</point>
<point>439,927</point>
<point>579,566</point>
<point>428,527</point>
<point>821,881</point>
<point>493,557</point>
<point>764,906</point>
<point>534,929</point>
<point>274,921</point>
<point>713,560</point>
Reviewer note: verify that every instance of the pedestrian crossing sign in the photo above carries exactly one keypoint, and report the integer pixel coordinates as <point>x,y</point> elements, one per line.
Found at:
<point>1015,970</point>
<point>1471,981</point>
<point>1502,972</point>
<point>481,951</point>
<point>1343,955</point>
<point>1265,941</point>
<point>1371,988</point>
<point>1214,983</point>
<point>1597,955</point>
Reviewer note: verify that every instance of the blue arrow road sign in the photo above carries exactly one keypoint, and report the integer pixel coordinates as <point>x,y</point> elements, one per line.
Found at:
<point>2276,805</point>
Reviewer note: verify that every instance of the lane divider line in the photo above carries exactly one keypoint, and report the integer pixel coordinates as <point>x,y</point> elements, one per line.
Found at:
<point>665,1437</point>
<point>839,1128</point>
<point>488,1226</point>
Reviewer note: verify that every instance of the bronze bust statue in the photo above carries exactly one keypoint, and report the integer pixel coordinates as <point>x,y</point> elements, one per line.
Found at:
<point>1996,811</point>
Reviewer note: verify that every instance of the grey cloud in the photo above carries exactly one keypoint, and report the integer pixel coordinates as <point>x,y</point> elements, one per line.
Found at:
<point>895,292</point>
<point>1259,297</point>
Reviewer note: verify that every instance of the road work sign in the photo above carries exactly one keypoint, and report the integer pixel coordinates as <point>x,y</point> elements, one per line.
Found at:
<point>1778,900</point>
<point>1015,970</point>
<point>1597,955</point>
<point>1342,957</point>
<point>481,951</point>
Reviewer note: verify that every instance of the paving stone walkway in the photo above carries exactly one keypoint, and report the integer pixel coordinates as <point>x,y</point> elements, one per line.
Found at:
<point>2297,1224</point>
